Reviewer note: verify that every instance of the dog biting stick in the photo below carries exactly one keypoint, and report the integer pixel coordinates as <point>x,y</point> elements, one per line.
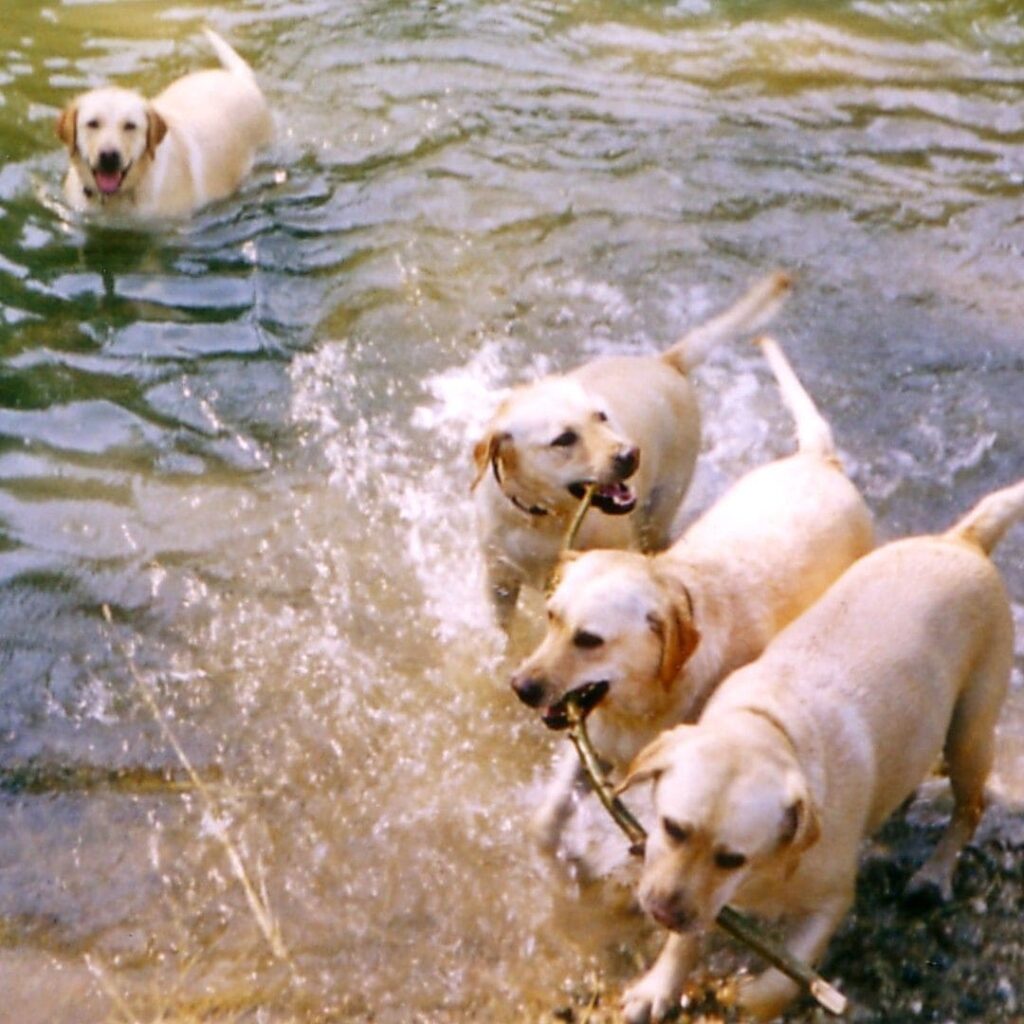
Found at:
<point>738,925</point>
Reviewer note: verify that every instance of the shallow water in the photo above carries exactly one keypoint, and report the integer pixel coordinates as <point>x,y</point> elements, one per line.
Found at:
<point>248,435</point>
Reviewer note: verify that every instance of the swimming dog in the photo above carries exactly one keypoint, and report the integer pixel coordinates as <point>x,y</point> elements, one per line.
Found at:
<point>190,145</point>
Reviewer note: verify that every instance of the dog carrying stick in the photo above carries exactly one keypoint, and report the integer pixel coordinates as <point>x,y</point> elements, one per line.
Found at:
<point>738,925</point>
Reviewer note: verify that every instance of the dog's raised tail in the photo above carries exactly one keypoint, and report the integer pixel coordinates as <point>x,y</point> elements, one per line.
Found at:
<point>986,523</point>
<point>752,312</point>
<point>230,59</point>
<point>813,434</point>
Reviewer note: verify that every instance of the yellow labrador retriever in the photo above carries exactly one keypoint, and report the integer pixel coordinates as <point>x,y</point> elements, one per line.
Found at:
<point>641,641</point>
<point>804,753</point>
<point>190,145</point>
<point>628,424</point>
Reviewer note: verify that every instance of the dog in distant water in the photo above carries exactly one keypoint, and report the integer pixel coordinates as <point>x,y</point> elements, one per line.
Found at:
<point>630,425</point>
<point>190,145</point>
<point>799,756</point>
<point>643,641</point>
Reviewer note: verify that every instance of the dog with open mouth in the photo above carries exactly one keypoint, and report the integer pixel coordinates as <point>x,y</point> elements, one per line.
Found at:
<point>192,144</point>
<point>640,641</point>
<point>764,803</point>
<point>628,425</point>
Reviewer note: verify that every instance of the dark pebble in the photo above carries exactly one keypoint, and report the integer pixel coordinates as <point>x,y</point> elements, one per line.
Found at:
<point>940,961</point>
<point>911,974</point>
<point>971,1005</point>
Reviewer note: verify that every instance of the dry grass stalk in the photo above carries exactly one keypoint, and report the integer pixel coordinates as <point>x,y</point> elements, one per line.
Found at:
<point>258,904</point>
<point>108,986</point>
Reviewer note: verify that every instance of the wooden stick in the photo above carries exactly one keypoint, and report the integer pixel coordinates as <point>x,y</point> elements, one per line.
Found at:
<point>741,927</point>
<point>738,925</point>
<point>577,519</point>
<point>602,787</point>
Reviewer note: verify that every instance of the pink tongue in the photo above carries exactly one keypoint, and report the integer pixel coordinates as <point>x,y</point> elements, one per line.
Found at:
<point>107,183</point>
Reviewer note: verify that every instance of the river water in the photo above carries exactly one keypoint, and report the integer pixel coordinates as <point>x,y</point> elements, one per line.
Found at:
<point>248,436</point>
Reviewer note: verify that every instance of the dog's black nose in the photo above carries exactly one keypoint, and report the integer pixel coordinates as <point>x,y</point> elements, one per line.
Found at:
<point>110,161</point>
<point>529,690</point>
<point>626,462</point>
<point>671,914</point>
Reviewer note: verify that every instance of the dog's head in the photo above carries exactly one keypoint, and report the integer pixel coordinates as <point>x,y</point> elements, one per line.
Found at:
<point>728,807</point>
<point>619,633</point>
<point>110,134</point>
<point>548,441</point>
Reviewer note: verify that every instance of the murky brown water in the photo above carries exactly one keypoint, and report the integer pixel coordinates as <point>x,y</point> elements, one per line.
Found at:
<point>249,437</point>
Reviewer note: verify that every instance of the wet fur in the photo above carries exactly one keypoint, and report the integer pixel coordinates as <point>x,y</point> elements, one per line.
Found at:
<point>612,407</point>
<point>805,752</point>
<point>673,625</point>
<point>193,143</point>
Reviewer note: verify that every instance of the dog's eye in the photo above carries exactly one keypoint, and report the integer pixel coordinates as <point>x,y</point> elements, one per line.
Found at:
<point>727,860</point>
<point>565,439</point>
<point>130,126</point>
<point>601,417</point>
<point>676,832</point>
<point>581,638</point>
<point>93,122</point>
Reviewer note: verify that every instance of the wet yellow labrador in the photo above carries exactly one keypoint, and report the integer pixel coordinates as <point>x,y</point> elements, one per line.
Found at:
<point>193,143</point>
<point>628,424</point>
<point>641,641</point>
<point>802,754</point>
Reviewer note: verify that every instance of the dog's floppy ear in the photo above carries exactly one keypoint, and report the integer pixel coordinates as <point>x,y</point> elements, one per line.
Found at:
<point>67,126</point>
<point>677,632</point>
<point>156,129</point>
<point>485,451</point>
<point>800,826</point>
<point>652,760</point>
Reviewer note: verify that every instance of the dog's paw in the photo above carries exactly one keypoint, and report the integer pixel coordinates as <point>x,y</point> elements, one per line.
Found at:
<point>649,1000</point>
<point>924,894</point>
<point>931,885</point>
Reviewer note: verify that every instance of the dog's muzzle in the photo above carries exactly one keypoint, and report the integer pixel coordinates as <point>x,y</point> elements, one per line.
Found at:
<point>672,916</point>
<point>109,171</point>
<point>616,498</point>
<point>585,697</point>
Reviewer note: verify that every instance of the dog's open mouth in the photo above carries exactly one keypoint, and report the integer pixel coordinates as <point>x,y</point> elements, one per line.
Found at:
<point>585,697</point>
<point>108,182</point>
<point>612,499</point>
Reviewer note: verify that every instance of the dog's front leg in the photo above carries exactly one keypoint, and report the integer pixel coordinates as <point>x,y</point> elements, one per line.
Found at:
<point>767,995</point>
<point>653,996</point>
<point>549,822</point>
